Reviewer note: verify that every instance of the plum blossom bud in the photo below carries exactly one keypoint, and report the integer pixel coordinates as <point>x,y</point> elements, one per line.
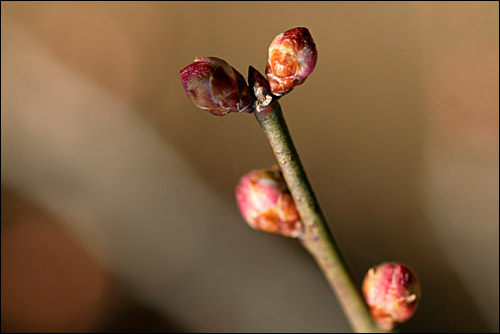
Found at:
<point>215,86</point>
<point>265,203</point>
<point>392,291</point>
<point>292,57</point>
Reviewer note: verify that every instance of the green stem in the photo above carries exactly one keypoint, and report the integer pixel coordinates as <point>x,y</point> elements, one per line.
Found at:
<point>317,238</point>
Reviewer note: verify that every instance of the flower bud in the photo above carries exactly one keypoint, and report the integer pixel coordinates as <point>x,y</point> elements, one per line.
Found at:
<point>292,57</point>
<point>265,203</point>
<point>215,86</point>
<point>392,291</point>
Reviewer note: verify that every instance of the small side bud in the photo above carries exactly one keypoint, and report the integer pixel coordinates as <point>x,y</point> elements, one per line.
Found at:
<point>392,291</point>
<point>265,203</point>
<point>260,90</point>
<point>292,58</point>
<point>215,86</point>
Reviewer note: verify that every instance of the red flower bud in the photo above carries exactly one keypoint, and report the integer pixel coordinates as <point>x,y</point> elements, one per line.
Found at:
<point>265,203</point>
<point>215,86</point>
<point>292,57</point>
<point>392,291</point>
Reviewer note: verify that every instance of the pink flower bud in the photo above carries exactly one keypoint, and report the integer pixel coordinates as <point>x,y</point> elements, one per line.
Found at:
<point>392,291</point>
<point>292,57</point>
<point>265,203</point>
<point>215,86</point>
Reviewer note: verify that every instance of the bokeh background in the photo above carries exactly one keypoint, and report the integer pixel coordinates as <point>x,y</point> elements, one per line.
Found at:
<point>118,210</point>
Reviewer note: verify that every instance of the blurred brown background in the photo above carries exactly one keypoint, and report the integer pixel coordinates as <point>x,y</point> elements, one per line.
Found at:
<point>118,212</point>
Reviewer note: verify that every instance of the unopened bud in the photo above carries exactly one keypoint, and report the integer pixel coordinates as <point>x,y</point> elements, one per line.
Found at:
<point>214,85</point>
<point>292,57</point>
<point>259,89</point>
<point>265,203</point>
<point>392,291</point>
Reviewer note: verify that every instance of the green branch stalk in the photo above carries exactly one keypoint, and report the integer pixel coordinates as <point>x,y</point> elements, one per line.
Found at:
<point>317,238</point>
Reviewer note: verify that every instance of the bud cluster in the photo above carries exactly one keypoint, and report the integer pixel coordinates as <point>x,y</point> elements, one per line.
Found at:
<point>217,87</point>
